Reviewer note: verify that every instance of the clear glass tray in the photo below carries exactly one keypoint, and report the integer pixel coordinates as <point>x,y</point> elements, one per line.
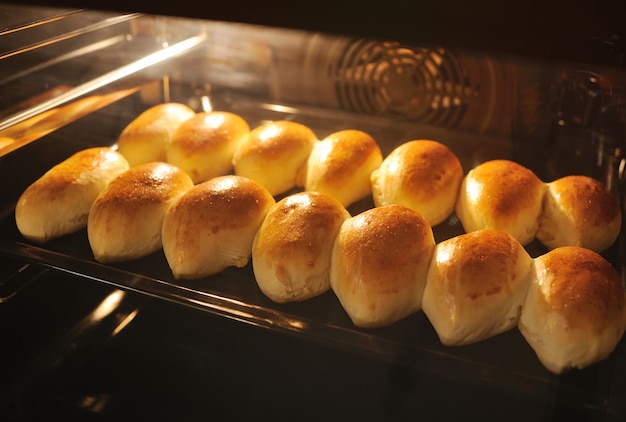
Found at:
<point>504,362</point>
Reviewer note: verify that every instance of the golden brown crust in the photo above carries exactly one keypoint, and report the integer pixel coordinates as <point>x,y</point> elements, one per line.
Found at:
<point>582,287</point>
<point>476,286</point>
<point>596,205</point>
<point>424,175</point>
<point>225,202</point>
<point>501,195</point>
<point>480,264</point>
<point>575,311</point>
<point>432,166</point>
<point>300,221</point>
<point>280,138</point>
<point>204,145</point>
<point>125,219</point>
<point>212,226</point>
<point>506,184</point>
<point>208,130</point>
<point>579,211</point>
<point>274,154</point>
<point>349,151</point>
<point>340,165</point>
<point>381,236</point>
<point>73,169</point>
<point>379,264</point>
<point>291,251</point>
<point>146,138</point>
<point>148,183</point>
<point>58,202</point>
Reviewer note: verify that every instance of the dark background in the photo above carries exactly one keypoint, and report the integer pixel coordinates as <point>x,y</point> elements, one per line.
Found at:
<point>584,30</point>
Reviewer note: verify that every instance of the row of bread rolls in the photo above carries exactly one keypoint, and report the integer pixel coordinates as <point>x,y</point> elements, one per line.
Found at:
<point>280,155</point>
<point>424,175</point>
<point>500,194</point>
<point>383,265</point>
<point>569,304</point>
<point>379,260</point>
<point>573,210</point>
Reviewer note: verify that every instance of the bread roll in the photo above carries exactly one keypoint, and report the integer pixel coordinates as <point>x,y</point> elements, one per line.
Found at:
<point>212,226</point>
<point>575,313</point>
<point>501,195</point>
<point>424,175</point>
<point>58,202</point>
<point>125,220</point>
<point>147,137</point>
<point>379,263</point>
<point>579,211</point>
<point>341,164</point>
<point>204,145</point>
<point>291,251</point>
<point>275,155</point>
<point>476,286</point>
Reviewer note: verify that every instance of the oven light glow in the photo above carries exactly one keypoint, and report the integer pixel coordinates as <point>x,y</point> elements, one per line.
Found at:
<point>298,200</point>
<point>225,184</point>
<point>124,323</point>
<point>279,108</point>
<point>473,191</point>
<point>206,103</point>
<point>269,133</point>
<point>108,305</point>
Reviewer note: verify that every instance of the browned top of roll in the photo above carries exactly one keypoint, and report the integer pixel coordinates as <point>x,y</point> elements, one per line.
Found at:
<point>277,138</point>
<point>386,240</point>
<point>506,185</point>
<point>298,219</point>
<point>580,285</point>
<point>159,118</point>
<point>430,165</point>
<point>224,202</point>
<point>351,149</point>
<point>587,199</point>
<point>482,264</point>
<point>150,182</point>
<point>90,160</point>
<point>207,130</point>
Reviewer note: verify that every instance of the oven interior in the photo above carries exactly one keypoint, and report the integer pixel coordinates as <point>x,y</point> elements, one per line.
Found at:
<point>75,78</point>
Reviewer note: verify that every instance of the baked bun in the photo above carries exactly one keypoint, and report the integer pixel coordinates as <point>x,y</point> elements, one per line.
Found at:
<point>575,313</point>
<point>423,175</point>
<point>579,211</point>
<point>204,145</point>
<point>476,286</point>
<point>341,164</point>
<point>501,195</point>
<point>125,220</point>
<point>147,137</point>
<point>291,251</point>
<point>379,263</point>
<point>275,154</point>
<point>212,226</point>
<point>58,202</point>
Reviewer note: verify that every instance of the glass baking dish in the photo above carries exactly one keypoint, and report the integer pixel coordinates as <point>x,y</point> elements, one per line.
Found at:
<point>179,73</point>
<point>505,361</point>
